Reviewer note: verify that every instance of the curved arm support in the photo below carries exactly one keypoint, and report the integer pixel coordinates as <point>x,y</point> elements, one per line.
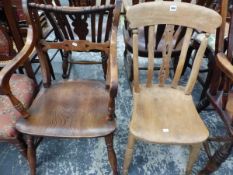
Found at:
<point>225,65</point>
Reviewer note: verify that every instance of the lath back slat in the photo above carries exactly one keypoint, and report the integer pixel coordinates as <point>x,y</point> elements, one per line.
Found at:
<point>62,27</point>
<point>151,46</point>
<point>167,51</point>
<point>109,21</point>
<point>100,24</point>
<point>196,65</point>
<point>135,58</point>
<point>93,22</point>
<point>172,15</point>
<point>182,57</point>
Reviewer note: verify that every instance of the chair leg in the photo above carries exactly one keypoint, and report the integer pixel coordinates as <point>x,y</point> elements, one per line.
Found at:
<point>194,153</point>
<point>111,153</point>
<point>128,153</point>
<point>20,144</point>
<point>128,64</point>
<point>65,65</point>
<point>104,63</point>
<point>217,159</point>
<point>31,154</point>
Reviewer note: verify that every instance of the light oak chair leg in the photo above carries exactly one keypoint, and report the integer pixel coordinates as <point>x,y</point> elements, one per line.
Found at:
<point>111,153</point>
<point>128,153</point>
<point>194,153</point>
<point>31,154</point>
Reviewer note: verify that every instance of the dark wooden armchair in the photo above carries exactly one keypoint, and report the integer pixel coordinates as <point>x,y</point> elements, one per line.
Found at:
<point>220,96</point>
<point>12,39</point>
<point>163,109</point>
<point>16,90</point>
<point>13,22</point>
<point>77,108</point>
<point>205,73</point>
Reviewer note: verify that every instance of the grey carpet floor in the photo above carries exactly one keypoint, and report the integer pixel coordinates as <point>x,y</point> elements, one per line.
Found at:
<point>89,156</point>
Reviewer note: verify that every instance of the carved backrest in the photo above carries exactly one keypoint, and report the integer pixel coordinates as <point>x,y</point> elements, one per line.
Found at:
<point>170,14</point>
<point>84,28</point>
<point>94,25</point>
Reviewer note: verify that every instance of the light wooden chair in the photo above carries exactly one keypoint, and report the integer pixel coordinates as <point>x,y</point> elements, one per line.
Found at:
<point>164,112</point>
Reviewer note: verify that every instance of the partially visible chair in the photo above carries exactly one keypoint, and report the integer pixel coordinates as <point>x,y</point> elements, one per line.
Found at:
<point>206,72</point>
<point>163,109</point>
<point>12,38</point>
<point>13,21</point>
<point>220,96</point>
<point>77,108</point>
<point>16,90</point>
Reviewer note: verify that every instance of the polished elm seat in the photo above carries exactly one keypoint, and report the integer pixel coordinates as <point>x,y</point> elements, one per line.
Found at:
<point>49,112</point>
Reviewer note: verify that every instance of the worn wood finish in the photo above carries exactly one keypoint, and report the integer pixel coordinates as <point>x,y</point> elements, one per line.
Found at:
<point>70,115</point>
<point>153,110</point>
<point>164,111</point>
<point>77,108</point>
<point>166,54</point>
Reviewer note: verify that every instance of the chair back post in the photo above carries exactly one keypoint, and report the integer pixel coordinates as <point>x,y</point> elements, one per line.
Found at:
<point>219,47</point>
<point>227,80</point>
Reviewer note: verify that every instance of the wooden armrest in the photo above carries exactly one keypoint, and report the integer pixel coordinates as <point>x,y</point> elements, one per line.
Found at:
<point>113,68</point>
<point>18,60</point>
<point>225,65</point>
